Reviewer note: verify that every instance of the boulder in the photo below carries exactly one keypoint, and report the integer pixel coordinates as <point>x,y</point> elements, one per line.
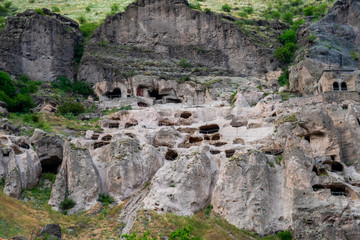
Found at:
<point>168,136</point>
<point>52,231</point>
<point>183,186</point>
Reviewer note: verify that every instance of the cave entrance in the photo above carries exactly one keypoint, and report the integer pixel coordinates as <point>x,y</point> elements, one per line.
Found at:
<point>106,138</point>
<point>229,153</point>
<point>113,125</point>
<point>208,129</point>
<point>116,93</point>
<point>51,165</point>
<point>142,104</point>
<point>155,94</point>
<point>343,86</point>
<point>173,100</point>
<point>336,86</point>
<point>100,144</point>
<point>336,167</point>
<point>186,115</point>
<point>171,155</point>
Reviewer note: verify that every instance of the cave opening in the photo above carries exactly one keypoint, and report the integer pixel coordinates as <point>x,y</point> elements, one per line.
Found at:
<point>208,129</point>
<point>171,155</point>
<point>142,104</point>
<point>155,94</point>
<point>106,138</point>
<point>336,86</point>
<point>343,86</point>
<point>336,167</point>
<point>195,139</point>
<point>113,125</point>
<point>116,93</point>
<point>51,165</point>
<point>229,153</point>
<point>100,144</point>
<point>186,115</point>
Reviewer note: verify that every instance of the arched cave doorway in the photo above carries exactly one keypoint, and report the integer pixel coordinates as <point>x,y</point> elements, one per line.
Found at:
<point>336,86</point>
<point>343,86</point>
<point>116,93</point>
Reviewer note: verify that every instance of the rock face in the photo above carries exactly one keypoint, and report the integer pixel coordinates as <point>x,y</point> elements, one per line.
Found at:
<point>77,179</point>
<point>151,35</point>
<point>19,165</point>
<point>184,185</point>
<point>337,46</point>
<point>40,45</point>
<point>49,149</point>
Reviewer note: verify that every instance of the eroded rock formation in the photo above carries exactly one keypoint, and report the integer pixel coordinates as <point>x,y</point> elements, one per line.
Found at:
<point>40,44</point>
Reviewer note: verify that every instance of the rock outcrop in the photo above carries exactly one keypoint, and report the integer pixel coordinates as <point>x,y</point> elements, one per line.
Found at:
<point>151,38</point>
<point>337,46</point>
<point>40,44</point>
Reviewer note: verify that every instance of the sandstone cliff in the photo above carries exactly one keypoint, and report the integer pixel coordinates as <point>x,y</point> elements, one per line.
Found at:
<point>153,36</point>
<point>40,44</point>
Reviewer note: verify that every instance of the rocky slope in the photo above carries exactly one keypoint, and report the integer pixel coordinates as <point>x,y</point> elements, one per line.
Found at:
<point>229,144</point>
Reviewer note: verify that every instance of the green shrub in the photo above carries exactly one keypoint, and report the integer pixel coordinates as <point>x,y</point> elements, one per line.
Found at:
<point>88,28</point>
<point>184,63</point>
<point>105,199</point>
<point>275,15</point>
<point>21,103</point>
<point>7,4</point>
<point>55,9</point>
<point>79,87</point>
<point>71,106</point>
<point>285,53</point>
<point>207,10</point>
<point>114,7</point>
<point>284,78</point>
<point>288,17</point>
<point>7,85</point>
<point>297,24</point>
<point>288,37</point>
<point>195,6</point>
<point>249,10</point>
<point>183,234</point>
<point>67,204</point>
<point>39,11</point>
<point>82,19</point>
<point>88,9</point>
<point>311,38</point>
<point>284,235</point>
<point>2,182</point>
<point>243,14</point>
<point>208,209</point>
<point>31,1</point>
<point>226,8</point>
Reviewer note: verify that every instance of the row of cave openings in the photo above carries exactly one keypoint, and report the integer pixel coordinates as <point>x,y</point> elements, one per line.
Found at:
<point>213,129</point>
<point>342,87</point>
<point>154,94</point>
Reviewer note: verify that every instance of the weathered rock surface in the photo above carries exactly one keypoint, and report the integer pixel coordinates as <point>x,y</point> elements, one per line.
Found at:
<point>42,46</point>
<point>49,149</point>
<point>152,37</point>
<point>184,185</point>
<point>77,179</point>
<point>337,46</point>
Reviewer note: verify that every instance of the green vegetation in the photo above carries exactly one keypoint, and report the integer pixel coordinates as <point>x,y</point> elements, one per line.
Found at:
<point>71,106</point>
<point>278,160</point>
<point>67,204</point>
<point>285,235</point>
<point>39,11</point>
<point>78,87</point>
<point>88,29</point>
<point>55,9</point>
<point>355,55</point>
<point>184,63</point>
<point>226,8</point>
<point>195,6</point>
<point>17,93</point>
<point>105,199</point>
